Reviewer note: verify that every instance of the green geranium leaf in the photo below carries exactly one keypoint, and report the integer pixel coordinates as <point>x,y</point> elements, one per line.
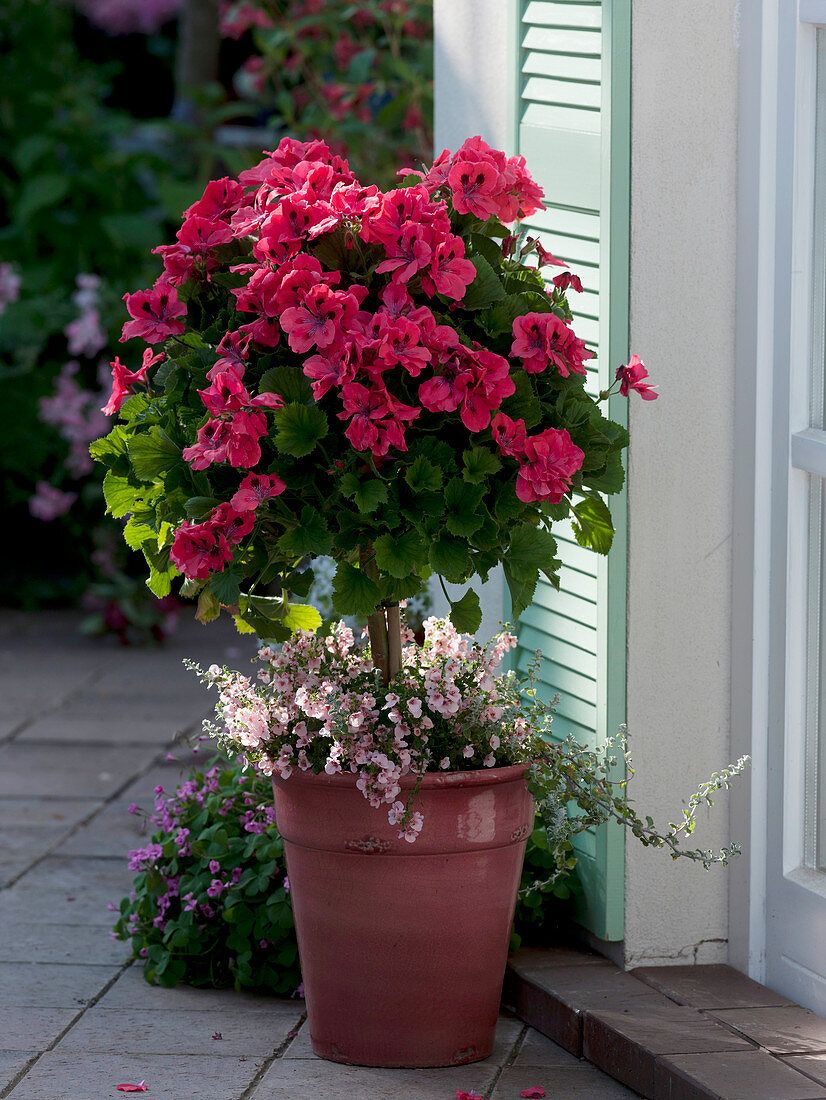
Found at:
<point>422,476</point>
<point>466,614</point>
<point>611,478</point>
<point>135,534</point>
<point>310,537</point>
<point>531,548</point>
<point>302,616</point>
<point>592,524</point>
<point>298,429</point>
<point>159,582</point>
<point>198,508</point>
<point>120,496</point>
<point>152,453</point>
<point>354,593</point>
<point>480,464</point>
<point>399,555</point>
<point>485,288</point>
<point>226,588</point>
<point>111,451</point>
<point>498,319</point>
<point>450,558</point>
<point>290,382</point>
<point>462,506</point>
<point>208,607</point>
<point>523,404</point>
<point>367,495</point>
<point>521,589</point>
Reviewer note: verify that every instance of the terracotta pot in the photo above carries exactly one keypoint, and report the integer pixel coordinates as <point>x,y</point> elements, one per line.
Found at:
<point>403,946</point>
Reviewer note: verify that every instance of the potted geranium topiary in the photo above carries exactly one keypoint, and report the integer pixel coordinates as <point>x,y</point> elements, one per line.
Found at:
<point>386,379</point>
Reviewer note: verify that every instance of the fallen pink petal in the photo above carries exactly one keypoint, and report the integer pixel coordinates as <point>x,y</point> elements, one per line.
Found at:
<point>217,1035</point>
<point>132,1088</point>
<point>533,1091</point>
<point>468,1095</point>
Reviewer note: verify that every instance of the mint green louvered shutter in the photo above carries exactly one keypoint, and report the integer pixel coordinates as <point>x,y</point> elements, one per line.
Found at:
<point>571,62</point>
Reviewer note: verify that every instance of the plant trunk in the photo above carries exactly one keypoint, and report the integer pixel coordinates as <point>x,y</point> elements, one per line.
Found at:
<point>196,63</point>
<point>384,628</point>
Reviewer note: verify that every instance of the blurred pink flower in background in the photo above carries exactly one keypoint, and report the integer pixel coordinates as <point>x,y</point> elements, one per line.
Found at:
<point>48,503</point>
<point>130,16</point>
<point>9,286</point>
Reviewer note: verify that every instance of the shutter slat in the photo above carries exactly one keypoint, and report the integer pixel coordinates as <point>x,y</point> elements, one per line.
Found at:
<point>568,223</point>
<point>552,40</point>
<point>580,635</point>
<point>570,607</point>
<point>568,120</point>
<point>541,89</point>
<point>552,14</point>
<point>560,66</point>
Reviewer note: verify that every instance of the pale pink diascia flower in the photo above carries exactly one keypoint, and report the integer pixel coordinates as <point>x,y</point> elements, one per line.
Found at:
<point>48,503</point>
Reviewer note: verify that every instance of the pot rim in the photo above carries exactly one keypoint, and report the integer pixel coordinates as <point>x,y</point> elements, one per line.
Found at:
<point>432,781</point>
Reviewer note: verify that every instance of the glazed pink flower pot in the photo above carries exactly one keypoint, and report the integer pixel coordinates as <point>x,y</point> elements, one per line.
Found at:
<point>403,946</point>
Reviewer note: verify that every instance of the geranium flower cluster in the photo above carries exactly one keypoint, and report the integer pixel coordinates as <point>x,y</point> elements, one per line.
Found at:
<point>317,704</point>
<point>378,375</point>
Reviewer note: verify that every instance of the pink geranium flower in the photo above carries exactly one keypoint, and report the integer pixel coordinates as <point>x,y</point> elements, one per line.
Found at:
<point>255,489</point>
<point>541,339</point>
<point>199,549</point>
<point>156,313</point>
<point>631,378</point>
<point>450,273</point>
<point>509,435</point>
<point>123,380</point>
<point>548,463</point>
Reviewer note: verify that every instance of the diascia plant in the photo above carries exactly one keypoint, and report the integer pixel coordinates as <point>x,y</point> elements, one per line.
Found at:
<point>382,377</point>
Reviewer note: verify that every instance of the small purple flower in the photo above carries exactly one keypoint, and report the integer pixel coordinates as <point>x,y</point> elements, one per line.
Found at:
<point>157,790</point>
<point>112,907</point>
<point>215,888</point>
<point>143,952</point>
<point>214,866</point>
<point>133,808</point>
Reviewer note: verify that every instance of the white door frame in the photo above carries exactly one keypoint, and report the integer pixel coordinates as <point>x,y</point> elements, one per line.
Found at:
<point>769,597</point>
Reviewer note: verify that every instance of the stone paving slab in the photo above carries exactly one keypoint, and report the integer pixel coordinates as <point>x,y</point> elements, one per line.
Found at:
<point>46,812</point>
<point>12,1063</point>
<point>813,1065</point>
<point>245,1032</point>
<point>27,1028</point>
<point>111,833</point>
<point>51,985</point>
<point>579,1081</point>
<point>89,945</point>
<point>287,1080</point>
<point>789,1030</point>
<point>96,728</point>
<point>508,1030</point>
<point>538,1050</point>
<point>709,987</point>
<point>28,771</point>
<point>131,990</point>
<point>731,1075</point>
<point>67,891</point>
<point>68,1075</point>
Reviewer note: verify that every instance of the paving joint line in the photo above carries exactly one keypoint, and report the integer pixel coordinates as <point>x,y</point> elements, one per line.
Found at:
<point>514,1054</point>
<point>104,804</point>
<point>90,680</point>
<point>21,1076</point>
<point>249,1091</point>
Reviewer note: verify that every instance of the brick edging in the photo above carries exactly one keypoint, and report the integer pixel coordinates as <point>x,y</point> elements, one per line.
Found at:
<point>672,1033</point>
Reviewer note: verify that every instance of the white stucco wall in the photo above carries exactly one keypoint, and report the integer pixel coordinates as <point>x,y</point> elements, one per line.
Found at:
<point>683,221</point>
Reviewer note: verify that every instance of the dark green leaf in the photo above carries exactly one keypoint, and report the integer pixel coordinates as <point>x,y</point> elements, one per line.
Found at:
<point>485,288</point>
<point>354,593</point>
<point>290,382</point>
<point>422,476</point>
<point>466,614</point>
<point>450,558</point>
<point>462,506</point>
<point>225,587</point>
<point>592,524</point>
<point>310,537</point>
<point>479,464</point>
<point>152,453</point>
<point>119,495</point>
<point>521,590</point>
<point>298,429</point>
<point>531,548</point>
<point>367,495</point>
<point>399,555</point>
